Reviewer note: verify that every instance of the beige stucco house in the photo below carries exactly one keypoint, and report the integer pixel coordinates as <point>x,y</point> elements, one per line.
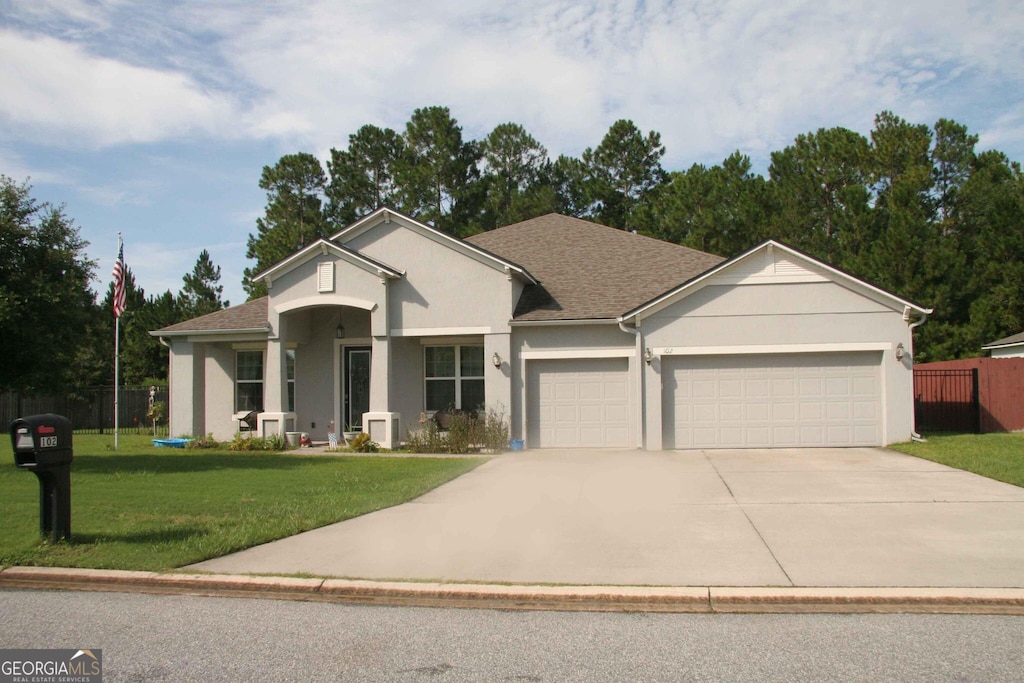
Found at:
<point>584,335</point>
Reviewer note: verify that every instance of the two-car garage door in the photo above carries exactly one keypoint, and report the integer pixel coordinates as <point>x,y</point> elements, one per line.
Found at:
<point>772,401</point>
<point>723,401</point>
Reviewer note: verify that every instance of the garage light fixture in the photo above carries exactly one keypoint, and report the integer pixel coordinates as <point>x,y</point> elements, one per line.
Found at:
<point>648,356</point>
<point>496,360</point>
<point>899,351</point>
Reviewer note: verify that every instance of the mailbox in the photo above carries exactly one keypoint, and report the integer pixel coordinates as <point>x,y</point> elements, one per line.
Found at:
<point>42,445</point>
<point>41,441</point>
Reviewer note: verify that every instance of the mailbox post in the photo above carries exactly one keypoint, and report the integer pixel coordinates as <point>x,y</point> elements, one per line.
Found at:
<point>42,445</point>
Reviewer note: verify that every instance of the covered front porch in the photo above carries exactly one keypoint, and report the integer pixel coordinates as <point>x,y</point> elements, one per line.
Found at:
<point>326,368</point>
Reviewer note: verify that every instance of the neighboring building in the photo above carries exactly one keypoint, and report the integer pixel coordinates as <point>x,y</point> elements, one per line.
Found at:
<point>1009,347</point>
<point>584,335</point>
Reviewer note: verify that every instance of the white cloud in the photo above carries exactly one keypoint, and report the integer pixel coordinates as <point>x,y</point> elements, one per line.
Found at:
<point>54,90</point>
<point>711,76</point>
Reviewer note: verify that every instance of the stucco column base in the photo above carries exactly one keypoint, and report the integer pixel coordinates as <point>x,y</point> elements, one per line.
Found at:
<point>276,423</point>
<point>383,428</point>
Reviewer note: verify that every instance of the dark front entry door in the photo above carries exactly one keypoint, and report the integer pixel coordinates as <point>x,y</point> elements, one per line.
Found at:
<point>355,375</point>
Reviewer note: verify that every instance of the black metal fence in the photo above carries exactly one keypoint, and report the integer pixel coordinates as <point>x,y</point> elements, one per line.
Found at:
<point>947,400</point>
<point>92,411</point>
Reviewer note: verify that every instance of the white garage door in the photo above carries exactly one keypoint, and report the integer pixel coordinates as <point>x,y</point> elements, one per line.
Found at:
<point>578,403</point>
<point>772,401</point>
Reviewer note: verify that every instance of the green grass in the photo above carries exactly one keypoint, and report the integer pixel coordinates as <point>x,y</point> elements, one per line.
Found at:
<point>160,508</point>
<point>996,456</point>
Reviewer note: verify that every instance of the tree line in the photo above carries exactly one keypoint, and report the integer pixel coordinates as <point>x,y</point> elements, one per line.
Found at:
<point>912,208</point>
<point>54,333</point>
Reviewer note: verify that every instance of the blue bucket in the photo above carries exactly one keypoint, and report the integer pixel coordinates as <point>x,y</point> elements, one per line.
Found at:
<point>517,444</point>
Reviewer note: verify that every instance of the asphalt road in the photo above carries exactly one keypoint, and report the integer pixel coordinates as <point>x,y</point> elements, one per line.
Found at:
<point>176,638</point>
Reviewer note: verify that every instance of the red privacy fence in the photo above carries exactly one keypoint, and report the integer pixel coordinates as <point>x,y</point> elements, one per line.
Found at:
<point>970,395</point>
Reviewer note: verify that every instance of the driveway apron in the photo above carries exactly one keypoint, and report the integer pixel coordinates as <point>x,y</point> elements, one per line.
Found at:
<point>830,517</point>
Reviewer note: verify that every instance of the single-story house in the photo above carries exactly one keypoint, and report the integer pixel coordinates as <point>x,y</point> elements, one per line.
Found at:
<point>582,334</point>
<point>1008,347</point>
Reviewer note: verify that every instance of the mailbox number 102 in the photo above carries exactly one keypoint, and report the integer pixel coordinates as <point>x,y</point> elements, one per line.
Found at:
<point>47,442</point>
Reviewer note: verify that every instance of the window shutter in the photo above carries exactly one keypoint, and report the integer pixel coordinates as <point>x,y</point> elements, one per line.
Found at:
<point>325,277</point>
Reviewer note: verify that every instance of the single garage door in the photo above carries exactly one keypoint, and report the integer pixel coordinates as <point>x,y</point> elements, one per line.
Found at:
<point>578,403</point>
<point>772,401</point>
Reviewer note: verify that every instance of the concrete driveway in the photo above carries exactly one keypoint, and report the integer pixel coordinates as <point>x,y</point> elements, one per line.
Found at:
<point>830,517</point>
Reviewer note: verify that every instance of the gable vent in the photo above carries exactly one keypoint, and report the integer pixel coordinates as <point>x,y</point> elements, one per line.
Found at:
<point>325,277</point>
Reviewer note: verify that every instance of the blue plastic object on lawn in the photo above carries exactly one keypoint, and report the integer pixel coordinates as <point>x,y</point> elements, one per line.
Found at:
<point>170,443</point>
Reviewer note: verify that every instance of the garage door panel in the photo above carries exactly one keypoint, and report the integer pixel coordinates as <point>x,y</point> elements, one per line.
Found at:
<point>784,412</point>
<point>578,403</point>
<point>704,388</point>
<point>837,411</point>
<point>591,413</point>
<point>865,410</point>
<point>757,412</point>
<point>779,400</point>
<point>565,391</point>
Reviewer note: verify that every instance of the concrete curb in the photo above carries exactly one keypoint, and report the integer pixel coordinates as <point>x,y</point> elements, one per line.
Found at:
<point>781,599</point>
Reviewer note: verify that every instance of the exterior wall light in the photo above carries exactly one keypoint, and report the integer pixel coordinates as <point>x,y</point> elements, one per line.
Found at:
<point>648,356</point>
<point>339,333</point>
<point>496,360</point>
<point>900,351</point>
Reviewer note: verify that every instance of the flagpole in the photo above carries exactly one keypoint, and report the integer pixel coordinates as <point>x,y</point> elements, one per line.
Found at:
<point>119,277</point>
<point>117,383</point>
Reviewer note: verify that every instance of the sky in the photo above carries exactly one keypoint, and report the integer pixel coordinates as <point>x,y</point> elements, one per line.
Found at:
<point>155,119</point>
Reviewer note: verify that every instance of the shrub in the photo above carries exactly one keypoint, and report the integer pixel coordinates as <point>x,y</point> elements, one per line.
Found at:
<point>362,444</point>
<point>274,442</point>
<point>203,442</point>
<point>496,431</point>
<point>429,439</point>
<point>466,433</point>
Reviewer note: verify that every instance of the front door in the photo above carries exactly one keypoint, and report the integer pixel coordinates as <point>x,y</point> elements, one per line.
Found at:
<point>355,376</point>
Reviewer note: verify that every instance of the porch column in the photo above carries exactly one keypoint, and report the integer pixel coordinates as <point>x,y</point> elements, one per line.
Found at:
<point>275,387</point>
<point>380,374</point>
<point>382,425</point>
<point>275,419</point>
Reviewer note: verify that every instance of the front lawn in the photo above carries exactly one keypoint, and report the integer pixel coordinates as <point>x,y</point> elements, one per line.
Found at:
<point>996,456</point>
<point>159,508</point>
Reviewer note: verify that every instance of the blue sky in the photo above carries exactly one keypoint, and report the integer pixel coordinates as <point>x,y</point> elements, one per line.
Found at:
<point>155,119</point>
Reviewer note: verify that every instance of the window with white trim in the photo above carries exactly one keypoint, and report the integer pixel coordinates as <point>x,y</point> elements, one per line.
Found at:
<point>453,377</point>
<point>248,381</point>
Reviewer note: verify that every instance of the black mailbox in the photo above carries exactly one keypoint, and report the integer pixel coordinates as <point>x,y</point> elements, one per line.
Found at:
<point>42,444</point>
<point>41,441</point>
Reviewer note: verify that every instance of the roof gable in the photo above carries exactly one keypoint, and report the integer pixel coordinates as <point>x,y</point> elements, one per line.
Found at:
<point>322,246</point>
<point>773,262</point>
<point>386,216</point>
<point>588,271</point>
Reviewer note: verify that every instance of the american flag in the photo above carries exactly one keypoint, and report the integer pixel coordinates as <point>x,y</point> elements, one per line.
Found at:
<point>119,302</point>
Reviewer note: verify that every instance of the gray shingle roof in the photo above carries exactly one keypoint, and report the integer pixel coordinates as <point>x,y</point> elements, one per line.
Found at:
<point>585,271</point>
<point>1007,341</point>
<point>590,271</point>
<point>251,315</point>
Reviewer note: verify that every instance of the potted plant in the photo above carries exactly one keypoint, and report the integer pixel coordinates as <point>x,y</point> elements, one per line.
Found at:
<point>350,432</point>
